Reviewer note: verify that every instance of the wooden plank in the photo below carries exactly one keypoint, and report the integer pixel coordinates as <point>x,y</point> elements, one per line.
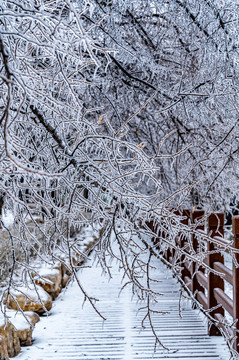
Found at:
<point>201,297</point>
<point>225,270</point>
<point>188,282</point>
<point>224,241</point>
<point>202,279</point>
<point>224,300</point>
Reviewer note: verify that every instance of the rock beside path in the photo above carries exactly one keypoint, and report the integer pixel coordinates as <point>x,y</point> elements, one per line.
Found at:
<point>50,280</point>
<point>32,317</point>
<point>23,324</point>
<point>25,335</point>
<point>3,349</point>
<point>10,339</point>
<point>38,301</point>
<point>66,274</point>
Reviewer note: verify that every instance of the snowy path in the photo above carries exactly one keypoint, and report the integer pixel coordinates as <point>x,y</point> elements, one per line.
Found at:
<point>73,333</point>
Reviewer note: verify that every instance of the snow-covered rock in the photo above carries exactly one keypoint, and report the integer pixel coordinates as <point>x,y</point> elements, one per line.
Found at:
<point>32,317</point>
<point>24,332</point>
<point>50,280</point>
<point>10,338</point>
<point>30,300</point>
<point>23,325</point>
<point>65,280</point>
<point>3,348</point>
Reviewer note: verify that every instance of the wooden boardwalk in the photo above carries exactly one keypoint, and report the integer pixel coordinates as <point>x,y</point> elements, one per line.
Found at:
<point>71,332</point>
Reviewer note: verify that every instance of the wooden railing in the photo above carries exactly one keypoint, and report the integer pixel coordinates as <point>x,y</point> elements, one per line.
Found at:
<point>207,286</point>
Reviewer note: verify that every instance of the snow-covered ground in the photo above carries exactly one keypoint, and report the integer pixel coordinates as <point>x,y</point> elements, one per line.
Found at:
<point>76,332</point>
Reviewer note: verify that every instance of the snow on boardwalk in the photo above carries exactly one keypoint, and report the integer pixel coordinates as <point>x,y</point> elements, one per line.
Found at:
<point>75,333</point>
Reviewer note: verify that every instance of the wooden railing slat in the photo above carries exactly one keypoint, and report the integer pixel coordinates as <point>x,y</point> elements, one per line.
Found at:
<point>201,297</point>
<point>224,300</point>
<point>188,282</point>
<point>202,279</point>
<point>228,275</point>
<point>222,240</point>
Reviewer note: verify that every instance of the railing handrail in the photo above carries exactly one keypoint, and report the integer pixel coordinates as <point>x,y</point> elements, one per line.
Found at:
<point>208,288</point>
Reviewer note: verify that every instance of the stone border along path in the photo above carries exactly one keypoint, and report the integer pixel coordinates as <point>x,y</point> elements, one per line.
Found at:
<point>16,330</point>
<point>74,332</point>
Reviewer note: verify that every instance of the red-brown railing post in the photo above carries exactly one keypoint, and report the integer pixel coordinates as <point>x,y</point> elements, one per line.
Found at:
<point>185,272</point>
<point>180,242</point>
<point>215,228</point>
<point>235,230</point>
<point>167,252</point>
<point>196,215</point>
<point>151,226</point>
<point>170,252</point>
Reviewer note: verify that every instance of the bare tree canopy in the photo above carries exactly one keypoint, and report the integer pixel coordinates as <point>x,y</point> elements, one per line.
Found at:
<point>114,113</point>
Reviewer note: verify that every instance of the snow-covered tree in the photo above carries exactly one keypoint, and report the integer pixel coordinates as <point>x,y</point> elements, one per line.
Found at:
<point>110,112</point>
<point>188,51</point>
<point>64,163</point>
